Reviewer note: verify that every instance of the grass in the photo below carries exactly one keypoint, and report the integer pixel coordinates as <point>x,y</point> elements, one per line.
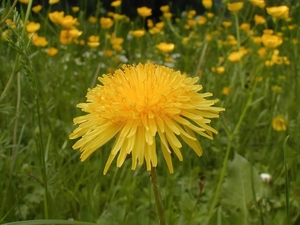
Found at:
<point>42,178</point>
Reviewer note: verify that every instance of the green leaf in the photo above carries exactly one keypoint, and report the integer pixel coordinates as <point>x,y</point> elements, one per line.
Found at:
<point>240,186</point>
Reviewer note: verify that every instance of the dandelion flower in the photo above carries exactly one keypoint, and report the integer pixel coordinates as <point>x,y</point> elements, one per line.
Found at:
<point>165,47</point>
<point>137,105</point>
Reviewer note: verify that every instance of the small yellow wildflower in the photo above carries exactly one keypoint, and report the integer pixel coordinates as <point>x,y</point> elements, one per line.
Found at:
<point>138,33</point>
<point>279,123</point>
<point>106,22</point>
<point>278,12</point>
<point>116,3</point>
<point>207,4</point>
<point>165,8</point>
<point>93,41</point>
<point>56,17</point>
<point>39,41</point>
<point>259,19</point>
<point>144,11</point>
<point>36,8</point>
<point>226,90</point>
<point>235,7</point>
<point>52,51</point>
<point>92,19</point>
<point>165,47</point>
<point>75,9</point>
<point>51,2</point>
<point>32,27</point>
<point>260,3</point>
<point>271,41</point>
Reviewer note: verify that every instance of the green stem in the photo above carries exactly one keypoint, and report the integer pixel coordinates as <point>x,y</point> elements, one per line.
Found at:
<point>230,142</point>
<point>157,196</point>
<point>287,199</point>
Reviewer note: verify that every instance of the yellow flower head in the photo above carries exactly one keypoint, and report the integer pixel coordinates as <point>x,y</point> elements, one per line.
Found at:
<point>106,22</point>
<point>68,22</point>
<point>279,12</point>
<point>93,41</point>
<point>165,8</point>
<point>235,7</point>
<point>52,51</point>
<point>144,11</point>
<point>279,123</point>
<point>51,2</point>
<point>39,41</point>
<point>56,17</point>
<point>259,19</point>
<point>75,9</point>
<point>165,47</point>
<point>138,33</point>
<point>36,8</point>
<point>116,3</point>
<point>207,4</point>
<point>32,27</point>
<point>271,41</point>
<point>260,3</point>
<point>137,105</point>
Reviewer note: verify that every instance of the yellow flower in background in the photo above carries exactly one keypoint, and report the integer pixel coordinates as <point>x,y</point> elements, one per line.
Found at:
<point>144,11</point>
<point>165,47</point>
<point>74,33</point>
<point>51,2</point>
<point>36,8</point>
<point>92,19</point>
<point>259,19</point>
<point>52,51</point>
<point>165,8</point>
<point>138,33</point>
<point>220,69</point>
<point>256,40</point>
<point>56,17</point>
<point>226,90</point>
<point>202,20</point>
<point>167,15</point>
<point>235,56</point>
<point>68,22</point>
<point>65,37</point>
<point>271,41</point>
<point>210,15</point>
<point>75,9</point>
<point>235,7</point>
<point>118,17</point>
<point>150,23</point>
<point>226,23</point>
<point>39,41</point>
<point>207,4</point>
<point>32,27</point>
<point>245,27</point>
<point>24,1</point>
<point>93,41</point>
<point>106,22</point>
<point>278,12</point>
<point>116,3</point>
<point>279,123</point>
<point>260,3</point>
<point>139,106</point>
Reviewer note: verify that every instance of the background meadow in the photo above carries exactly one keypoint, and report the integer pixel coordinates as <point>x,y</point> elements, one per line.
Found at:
<point>248,58</point>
